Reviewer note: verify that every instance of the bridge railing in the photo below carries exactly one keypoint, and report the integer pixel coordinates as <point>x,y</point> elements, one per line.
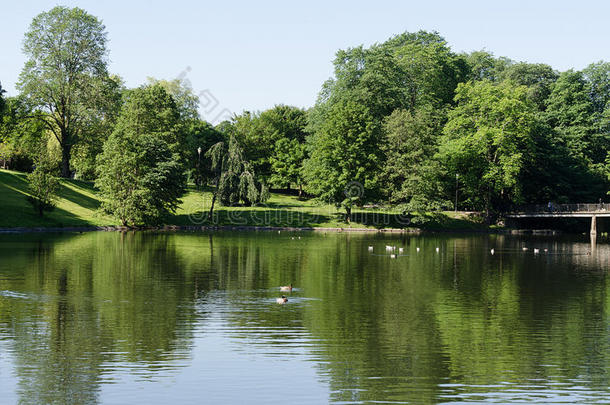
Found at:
<point>562,208</point>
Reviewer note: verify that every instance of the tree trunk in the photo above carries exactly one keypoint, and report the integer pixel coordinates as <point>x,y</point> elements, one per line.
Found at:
<point>65,161</point>
<point>212,207</point>
<point>348,214</point>
<point>300,190</point>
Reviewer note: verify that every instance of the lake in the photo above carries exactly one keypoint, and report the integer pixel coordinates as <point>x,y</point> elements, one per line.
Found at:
<point>157,318</point>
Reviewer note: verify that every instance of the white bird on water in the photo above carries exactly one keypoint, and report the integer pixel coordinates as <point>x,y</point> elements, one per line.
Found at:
<point>438,250</point>
<point>493,251</point>
<point>417,249</point>
<point>392,256</point>
<point>536,250</point>
<point>370,248</point>
<point>282,300</point>
<point>524,249</point>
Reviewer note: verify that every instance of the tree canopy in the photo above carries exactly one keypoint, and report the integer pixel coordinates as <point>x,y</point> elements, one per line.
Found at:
<point>140,175</point>
<point>66,61</point>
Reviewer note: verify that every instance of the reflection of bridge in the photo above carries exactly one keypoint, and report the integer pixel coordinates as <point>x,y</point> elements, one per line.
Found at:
<point>564,211</point>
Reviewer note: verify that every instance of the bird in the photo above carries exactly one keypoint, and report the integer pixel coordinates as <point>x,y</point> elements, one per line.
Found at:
<point>417,249</point>
<point>370,248</point>
<point>493,251</point>
<point>437,250</point>
<point>286,287</point>
<point>282,300</point>
<point>388,247</point>
<point>392,256</point>
<point>400,250</point>
<point>545,250</point>
<point>524,249</point>
<point>536,250</point>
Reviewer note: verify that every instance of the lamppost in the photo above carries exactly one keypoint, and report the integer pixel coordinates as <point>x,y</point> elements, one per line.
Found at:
<point>198,163</point>
<point>456,190</point>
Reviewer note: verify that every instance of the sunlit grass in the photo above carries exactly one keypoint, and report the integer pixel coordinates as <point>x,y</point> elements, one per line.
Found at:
<point>78,205</point>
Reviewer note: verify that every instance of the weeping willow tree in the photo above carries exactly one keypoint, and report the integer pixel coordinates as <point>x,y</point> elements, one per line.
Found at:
<point>233,176</point>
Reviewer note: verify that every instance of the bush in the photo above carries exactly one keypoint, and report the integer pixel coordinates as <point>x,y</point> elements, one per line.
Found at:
<point>42,186</point>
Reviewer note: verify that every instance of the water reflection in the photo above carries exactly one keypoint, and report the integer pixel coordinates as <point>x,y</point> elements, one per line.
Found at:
<point>84,317</point>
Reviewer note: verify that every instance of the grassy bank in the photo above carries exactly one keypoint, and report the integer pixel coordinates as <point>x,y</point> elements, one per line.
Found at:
<point>78,205</point>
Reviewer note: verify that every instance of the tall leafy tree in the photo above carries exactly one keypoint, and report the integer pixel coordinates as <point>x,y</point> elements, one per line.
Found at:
<point>287,162</point>
<point>97,127</point>
<point>344,156</point>
<point>140,175</point>
<point>410,174</point>
<point>484,65</point>
<point>66,58</point>
<point>572,114</point>
<point>538,77</point>
<point>487,141</point>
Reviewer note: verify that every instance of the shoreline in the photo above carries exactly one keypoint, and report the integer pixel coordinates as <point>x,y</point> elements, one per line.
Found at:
<point>207,228</point>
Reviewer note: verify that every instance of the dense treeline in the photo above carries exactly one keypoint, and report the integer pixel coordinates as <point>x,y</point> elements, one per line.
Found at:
<point>406,122</point>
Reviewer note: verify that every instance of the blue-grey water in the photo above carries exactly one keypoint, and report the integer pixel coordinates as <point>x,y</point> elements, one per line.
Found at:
<point>157,318</point>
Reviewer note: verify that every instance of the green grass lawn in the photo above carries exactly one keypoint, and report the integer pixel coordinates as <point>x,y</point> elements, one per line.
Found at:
<point>78,205</point>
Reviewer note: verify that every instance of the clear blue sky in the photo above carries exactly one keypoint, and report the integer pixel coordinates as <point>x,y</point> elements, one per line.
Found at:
<point>253,54</point>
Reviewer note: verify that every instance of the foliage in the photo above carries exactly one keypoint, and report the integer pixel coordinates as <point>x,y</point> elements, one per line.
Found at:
<point>488,140</point>
<point>286,163</point>
<point>235,179</point>
<point>410,175</point>
<point>260,132</point>
<point>186,101</point>
<point>42,185</point>
<point>67,57</point>
<point>538,77</point>
<point>344,153</point>
<point>98,127</point>
<point>569,113</point>
<point>141,177</point>
<point>20,137</point>
<point>485,66</point>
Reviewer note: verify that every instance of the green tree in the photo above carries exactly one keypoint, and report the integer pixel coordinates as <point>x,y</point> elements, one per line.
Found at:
<point>484,65</point>
<point>20,137</point>
<point>487,141</point>
<point>98,127</point>
<point>572,114</point>
<point>234,177</point>
<point>259,133</point>
<point>410,174</point>
<point>287,163</point>
<point>42,185</point>
<point>140,175</point>
<point>538,77</point>
<point>67,57</point>
<point>344,156</point>
<point>186,101</point>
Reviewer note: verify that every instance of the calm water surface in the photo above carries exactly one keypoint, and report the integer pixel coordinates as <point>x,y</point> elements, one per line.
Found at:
<point>191,318</point>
